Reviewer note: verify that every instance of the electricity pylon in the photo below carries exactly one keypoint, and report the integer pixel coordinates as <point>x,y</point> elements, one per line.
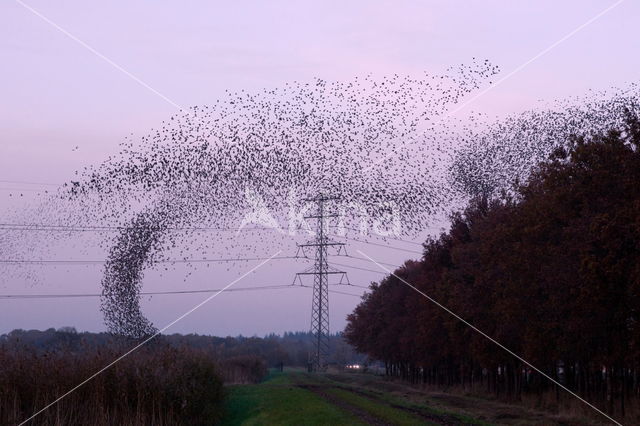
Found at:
<point>320,271</point>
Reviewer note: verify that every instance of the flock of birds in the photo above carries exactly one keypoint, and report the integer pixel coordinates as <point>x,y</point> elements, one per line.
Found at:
<point>349,140</point>
<point>378,145</point>
<point>494,159</point>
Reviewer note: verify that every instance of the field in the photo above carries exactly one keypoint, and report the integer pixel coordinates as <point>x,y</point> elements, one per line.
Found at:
<point>295,397</point>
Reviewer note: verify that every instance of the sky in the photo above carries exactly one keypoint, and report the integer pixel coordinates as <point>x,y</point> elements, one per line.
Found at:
<point>78,77</point>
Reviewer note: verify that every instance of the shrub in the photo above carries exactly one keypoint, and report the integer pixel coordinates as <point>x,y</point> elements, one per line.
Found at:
<point>243,369</point>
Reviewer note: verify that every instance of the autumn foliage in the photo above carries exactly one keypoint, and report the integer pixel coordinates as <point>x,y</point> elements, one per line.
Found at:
<point>552,272</point>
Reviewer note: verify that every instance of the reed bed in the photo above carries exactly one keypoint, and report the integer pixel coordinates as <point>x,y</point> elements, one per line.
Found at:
<point>157,384</point>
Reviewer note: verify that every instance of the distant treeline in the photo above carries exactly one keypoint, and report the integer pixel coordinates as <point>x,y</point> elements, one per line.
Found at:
<point>289,349</point>
<point>551,271</point>
<point>173,379</point>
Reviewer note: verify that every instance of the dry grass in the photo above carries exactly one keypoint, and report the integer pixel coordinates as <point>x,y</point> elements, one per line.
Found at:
<point>243,369</point>
<point>544,409</point>
<point>156,385</point>
<point>559,406</point>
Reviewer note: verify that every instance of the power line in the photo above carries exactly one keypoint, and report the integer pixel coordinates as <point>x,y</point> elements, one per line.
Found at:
<point>170,292</point>
<point>367,260</point>
<point>345,293</point>
<point>94,262</point>
<point>337,291</point>
<point>356,285</point>
<point>22,182</point>
<point>356,267</point>
<point>142,293</point>
<point>377,236</point>
<point>99,228</point>
<point>378,244</point>
<point>23,190</point>
<point>4,228</point>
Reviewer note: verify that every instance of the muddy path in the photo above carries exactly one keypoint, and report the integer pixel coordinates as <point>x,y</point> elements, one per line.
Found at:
<point>323,387</point>
<point>361,414</point>
<point>440,419</point>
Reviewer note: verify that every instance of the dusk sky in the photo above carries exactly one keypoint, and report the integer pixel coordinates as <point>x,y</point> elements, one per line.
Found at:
<point>69,100</point>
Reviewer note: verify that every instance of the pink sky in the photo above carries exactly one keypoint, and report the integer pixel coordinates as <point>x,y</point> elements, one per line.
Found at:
<point>56,94</point>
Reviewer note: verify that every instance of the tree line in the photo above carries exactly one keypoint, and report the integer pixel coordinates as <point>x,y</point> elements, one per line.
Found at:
<point>173,379</point>
<point>551,271</point>
<point>288,349</point>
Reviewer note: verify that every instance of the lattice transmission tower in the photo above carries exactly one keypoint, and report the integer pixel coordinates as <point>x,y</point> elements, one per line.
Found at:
<point>320,271</point>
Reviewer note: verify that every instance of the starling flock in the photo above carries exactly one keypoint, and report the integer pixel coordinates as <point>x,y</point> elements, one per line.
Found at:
<point>494,158</point>
<point>378,145</point>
